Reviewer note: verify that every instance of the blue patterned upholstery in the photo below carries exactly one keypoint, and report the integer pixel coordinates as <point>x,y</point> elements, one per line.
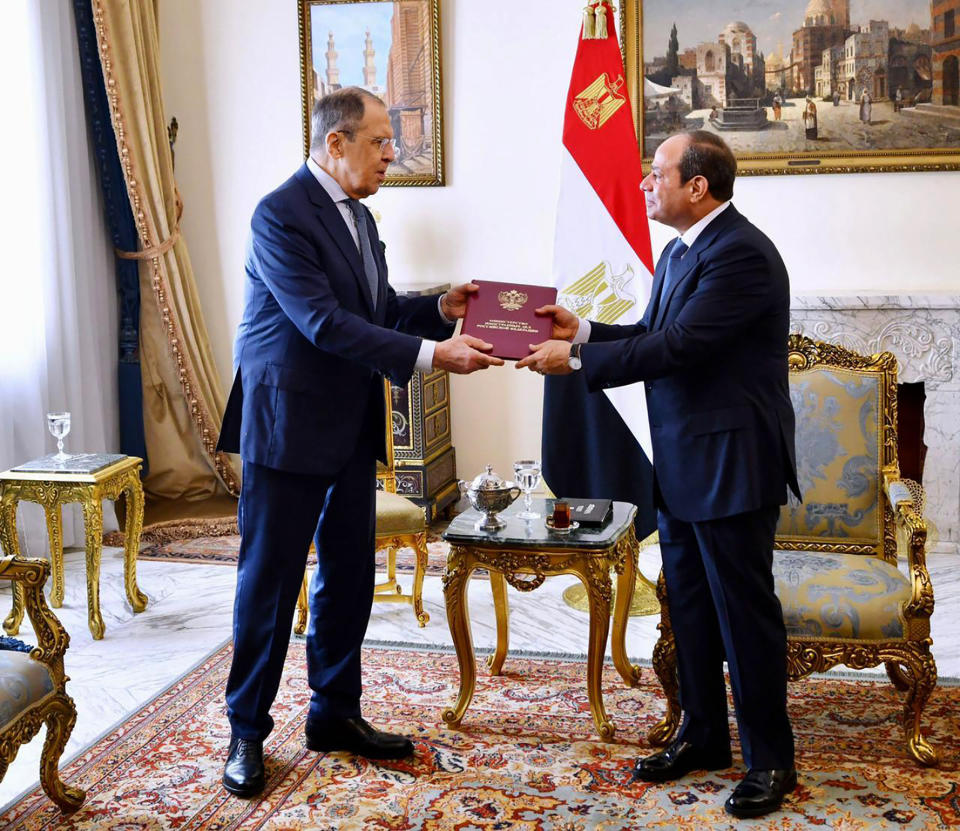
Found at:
<point>23,681</point>
<point>840,595</point>
<point>838,456</point>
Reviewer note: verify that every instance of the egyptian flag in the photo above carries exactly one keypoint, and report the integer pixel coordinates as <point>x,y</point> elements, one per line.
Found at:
<point>598,444</point>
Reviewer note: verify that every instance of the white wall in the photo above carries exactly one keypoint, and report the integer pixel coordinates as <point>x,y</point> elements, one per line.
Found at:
<point>231,77</point>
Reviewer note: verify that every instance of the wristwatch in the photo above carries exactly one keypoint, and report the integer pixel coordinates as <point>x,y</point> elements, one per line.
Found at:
<point>574,361</point>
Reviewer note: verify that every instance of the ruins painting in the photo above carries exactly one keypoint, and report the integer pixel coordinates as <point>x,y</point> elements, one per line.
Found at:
<point>805,82</point>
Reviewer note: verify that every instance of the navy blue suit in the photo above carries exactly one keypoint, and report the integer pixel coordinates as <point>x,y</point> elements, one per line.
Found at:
<point>306,415</point>
<point>713,354</point>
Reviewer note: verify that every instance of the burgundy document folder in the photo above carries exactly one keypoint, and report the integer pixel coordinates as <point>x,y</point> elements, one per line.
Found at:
<point>502,314</point>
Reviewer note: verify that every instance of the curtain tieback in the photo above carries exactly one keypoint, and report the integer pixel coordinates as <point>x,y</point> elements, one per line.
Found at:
<point>163,247</point>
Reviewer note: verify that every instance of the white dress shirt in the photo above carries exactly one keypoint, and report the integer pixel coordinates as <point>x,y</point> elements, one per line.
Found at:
<point>424,360</point>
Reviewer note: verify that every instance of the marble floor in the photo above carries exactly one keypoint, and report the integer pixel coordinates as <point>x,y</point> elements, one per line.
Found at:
<point>190,609</point>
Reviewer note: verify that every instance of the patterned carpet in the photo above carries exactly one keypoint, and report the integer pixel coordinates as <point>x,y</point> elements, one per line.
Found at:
<point>526,759</point>
<point>222,550</point>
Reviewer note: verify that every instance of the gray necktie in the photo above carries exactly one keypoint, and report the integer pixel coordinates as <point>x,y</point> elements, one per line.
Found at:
<point>673,267</point>
<point>366,252</point>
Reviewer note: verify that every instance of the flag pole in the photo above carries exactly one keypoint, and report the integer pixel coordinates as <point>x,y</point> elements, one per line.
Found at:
<point>595,98</point>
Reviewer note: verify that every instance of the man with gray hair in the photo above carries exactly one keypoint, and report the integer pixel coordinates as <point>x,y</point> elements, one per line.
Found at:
<point>321,327</point>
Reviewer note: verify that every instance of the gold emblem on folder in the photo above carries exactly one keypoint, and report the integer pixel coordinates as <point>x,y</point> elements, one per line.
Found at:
<point>599,101</point>
<point>512,300</point>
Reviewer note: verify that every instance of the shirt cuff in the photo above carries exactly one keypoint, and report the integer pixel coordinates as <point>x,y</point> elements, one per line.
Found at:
<point>583,331</point>
<point>424,361</point>
<point>443,317</point>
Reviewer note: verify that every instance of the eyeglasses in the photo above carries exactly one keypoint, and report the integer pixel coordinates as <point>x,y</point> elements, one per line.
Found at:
<point>381,143</point>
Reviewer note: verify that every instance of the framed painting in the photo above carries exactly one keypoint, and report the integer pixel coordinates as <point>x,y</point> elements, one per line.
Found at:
<point>800,86</point>
<point>391,49</point>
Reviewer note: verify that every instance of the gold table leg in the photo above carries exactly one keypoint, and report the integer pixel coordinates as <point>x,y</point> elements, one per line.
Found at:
<point>623,595</point>
<point>133,492</point>
<point>93,525</point>
<point>11,547</point>
<point>55,535</point>
<point>498,586</point>
<point>595,574</point>
<point>456,579</point>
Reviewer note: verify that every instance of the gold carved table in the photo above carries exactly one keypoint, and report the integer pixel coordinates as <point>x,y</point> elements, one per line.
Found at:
<point>86,478</point>
<point>523,554</point>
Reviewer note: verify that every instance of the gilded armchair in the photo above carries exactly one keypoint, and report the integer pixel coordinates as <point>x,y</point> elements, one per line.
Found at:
<point>400,524</point>
<point>32,685</point>
<point>845,599</point>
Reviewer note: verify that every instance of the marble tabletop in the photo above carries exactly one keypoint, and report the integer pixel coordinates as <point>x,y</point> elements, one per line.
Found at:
<point>533,533</point>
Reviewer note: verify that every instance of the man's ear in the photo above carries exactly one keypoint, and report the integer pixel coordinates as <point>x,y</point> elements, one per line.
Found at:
<point>699,188</point>
<point>334,144</point>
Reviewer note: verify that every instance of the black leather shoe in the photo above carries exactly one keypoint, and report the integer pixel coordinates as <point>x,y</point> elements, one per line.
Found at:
<point>243,772</point>
<point>678,760</point>
<point>356,736</point>
<point>760,792</point>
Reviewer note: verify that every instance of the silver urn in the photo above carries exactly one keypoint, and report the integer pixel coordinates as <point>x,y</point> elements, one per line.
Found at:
<point>490,494</point>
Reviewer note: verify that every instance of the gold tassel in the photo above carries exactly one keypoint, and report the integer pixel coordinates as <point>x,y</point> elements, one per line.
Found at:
<point>588,22</point>
<point>600,32</point>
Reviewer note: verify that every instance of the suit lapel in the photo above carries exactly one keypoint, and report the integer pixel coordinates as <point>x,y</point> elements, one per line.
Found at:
<point>692,257</point>
<point>329,214</point>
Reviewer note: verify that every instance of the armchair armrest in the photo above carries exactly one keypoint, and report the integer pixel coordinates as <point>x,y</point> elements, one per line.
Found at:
<point>909,520</point>
<point>52,638</point>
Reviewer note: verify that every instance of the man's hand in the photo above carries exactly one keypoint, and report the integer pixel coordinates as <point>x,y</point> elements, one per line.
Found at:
<point>548,358</point>
<point>565,322</point>
<point>463,354</point>
<point>454,301</point>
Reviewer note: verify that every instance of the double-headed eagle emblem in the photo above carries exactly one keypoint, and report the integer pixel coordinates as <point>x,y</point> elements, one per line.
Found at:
<point>512,300</point>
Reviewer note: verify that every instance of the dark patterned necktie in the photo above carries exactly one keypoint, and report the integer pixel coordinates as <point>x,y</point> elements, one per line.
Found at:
<point>673,267</point>
<point>366,252</point>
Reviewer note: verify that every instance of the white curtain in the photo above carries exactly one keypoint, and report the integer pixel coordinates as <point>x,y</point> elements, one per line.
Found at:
<point>58,318</point>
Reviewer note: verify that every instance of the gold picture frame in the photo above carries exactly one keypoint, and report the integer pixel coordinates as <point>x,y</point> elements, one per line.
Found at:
<point>833,149</point>
<point>393,50</point>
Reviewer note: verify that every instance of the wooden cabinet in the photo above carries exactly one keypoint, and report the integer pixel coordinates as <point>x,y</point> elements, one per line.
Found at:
<point>424,458</point>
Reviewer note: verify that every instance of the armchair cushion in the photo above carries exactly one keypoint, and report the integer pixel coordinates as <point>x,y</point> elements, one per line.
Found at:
<point>827,595</point>
<point>838,466</point>
<point>23,681</point>
<point>398,515</point>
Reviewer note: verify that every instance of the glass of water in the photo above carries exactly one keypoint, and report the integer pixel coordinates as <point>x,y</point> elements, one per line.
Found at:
<point>527,472</point>
<point>59,426</point>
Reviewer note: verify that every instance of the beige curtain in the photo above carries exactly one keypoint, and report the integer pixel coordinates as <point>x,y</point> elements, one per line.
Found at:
<point>183,399</point>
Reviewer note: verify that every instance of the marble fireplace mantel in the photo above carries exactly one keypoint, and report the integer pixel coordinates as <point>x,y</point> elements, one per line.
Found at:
<point>923,331</point>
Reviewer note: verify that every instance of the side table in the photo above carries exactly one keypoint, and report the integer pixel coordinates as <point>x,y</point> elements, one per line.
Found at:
<point>529,548</point>
<point>87,478</point>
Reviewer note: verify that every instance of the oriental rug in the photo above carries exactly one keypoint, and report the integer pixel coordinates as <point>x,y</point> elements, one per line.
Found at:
<point>222,550</point>
<point>526,758</point>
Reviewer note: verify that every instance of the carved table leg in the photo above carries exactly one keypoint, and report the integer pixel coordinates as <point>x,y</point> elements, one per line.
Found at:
<point>55,535</point>
<point>498,586</point>
<point>11,547</point>
<point>133,492</point>
<point>93,522</point>
<point>419,569</point>
<point>596,576</point>
<point>456,579</point>
<point>626,580</point>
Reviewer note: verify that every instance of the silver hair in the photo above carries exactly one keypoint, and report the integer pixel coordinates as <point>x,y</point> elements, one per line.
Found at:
<point>341,109</point>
